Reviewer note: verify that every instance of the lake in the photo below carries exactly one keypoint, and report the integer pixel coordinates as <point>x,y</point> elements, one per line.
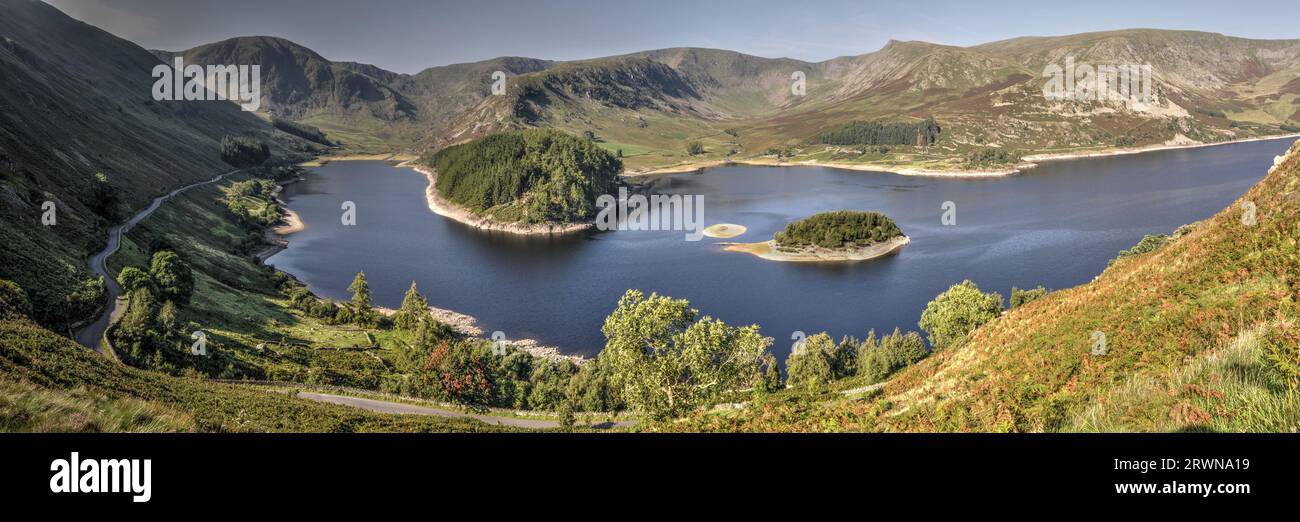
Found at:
<point>1056,226</point>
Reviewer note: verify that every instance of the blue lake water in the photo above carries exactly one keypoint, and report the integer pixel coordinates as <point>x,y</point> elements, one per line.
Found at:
<point>1056,225</point>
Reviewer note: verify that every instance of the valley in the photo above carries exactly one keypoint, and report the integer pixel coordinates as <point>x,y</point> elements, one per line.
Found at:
<point>370,250</point>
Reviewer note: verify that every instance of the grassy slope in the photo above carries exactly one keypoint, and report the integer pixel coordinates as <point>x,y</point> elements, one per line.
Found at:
<point>75,101</point>
<point>236,301</point>
<point>37,368</point>
<point>1184,327</point>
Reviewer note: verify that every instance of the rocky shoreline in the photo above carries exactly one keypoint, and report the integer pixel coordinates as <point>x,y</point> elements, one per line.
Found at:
<point>768,250</point>
<point>467,325</point>
<point>454,212</point>
<point>1027,162</point>
<point>463,324</point>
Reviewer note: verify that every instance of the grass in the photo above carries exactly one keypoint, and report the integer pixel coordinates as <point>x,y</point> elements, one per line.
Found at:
<point>28,408</point>
<point>39,368</point>
<point>236,304</point>
<point>1231,389</point>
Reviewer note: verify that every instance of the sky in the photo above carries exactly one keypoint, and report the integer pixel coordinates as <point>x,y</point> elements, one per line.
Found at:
<point>410,35</point>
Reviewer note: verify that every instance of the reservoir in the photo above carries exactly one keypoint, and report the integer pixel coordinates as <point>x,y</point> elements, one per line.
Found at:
<point>1056,225</point>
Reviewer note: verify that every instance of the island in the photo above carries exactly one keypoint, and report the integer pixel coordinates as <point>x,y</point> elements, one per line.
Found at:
<point>843,235</point>
<point>534,181</point>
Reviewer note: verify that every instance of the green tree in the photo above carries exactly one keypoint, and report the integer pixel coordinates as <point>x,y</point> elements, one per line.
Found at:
<point>812,363</point>
<point>666,362</point>
<point>694,148</point>
<point>880,358</point>
<point>957,312</point>
<point>414,308</point>
<point>567,418</point>
<point>769,378</point>
<point>133,279</point>
<point>137,324</point>
<point>243,151</point>
<point>167,321</point>
<point>361,307</point>
<point>172,277</point>
<point>561,175</point>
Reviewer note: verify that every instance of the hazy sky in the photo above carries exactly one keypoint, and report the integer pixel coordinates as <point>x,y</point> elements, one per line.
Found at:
<point>409,35</point>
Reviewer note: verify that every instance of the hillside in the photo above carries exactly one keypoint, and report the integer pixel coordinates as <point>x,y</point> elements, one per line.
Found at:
<point>1199,335</point>
<point>49,383</point>
<point>75,102</point>
<point>1208,88</point>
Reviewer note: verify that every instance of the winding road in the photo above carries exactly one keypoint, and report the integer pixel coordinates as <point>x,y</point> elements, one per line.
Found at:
<point>92,334</point>
<point>379,406</point>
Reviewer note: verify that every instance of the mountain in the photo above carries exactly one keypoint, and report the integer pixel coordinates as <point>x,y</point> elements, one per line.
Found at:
<point>366,107</point>
<point>76,101</point>
<point>1208,88</point>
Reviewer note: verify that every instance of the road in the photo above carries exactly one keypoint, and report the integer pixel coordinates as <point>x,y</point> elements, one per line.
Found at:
<point>91,335</point>
<point>379,406</point>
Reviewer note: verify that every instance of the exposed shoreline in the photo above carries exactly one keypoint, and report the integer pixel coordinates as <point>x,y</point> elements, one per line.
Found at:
<point>321,161</point>
<point>275,237</point>
<point>454,212</point>
<point>1027,162</point>
<point>767,250</point>
<point>464,324</point>
<point>467,325</point>
<point>1150,148</point>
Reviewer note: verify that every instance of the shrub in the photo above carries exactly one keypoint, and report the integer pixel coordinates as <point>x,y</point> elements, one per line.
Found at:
<point>172,276</point>
<point>13,300</point>
<point>988,156</point>
<point>878,359</point>
<point>957,312</point>
<point>132,279</point>
<point>301,130</point>
<point>812,364</point>
<point>1021,297</point>
<point>1281,352</point>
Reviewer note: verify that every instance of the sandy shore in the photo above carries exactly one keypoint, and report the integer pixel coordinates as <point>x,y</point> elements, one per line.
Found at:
<point>894,169</point>
<point>767,250</point>
<point>1027,162</point>
<point>454,212</point>
<point>322,160</point>
<point>292,223</point>
<point>725,230</point>
<point>1151,148</point>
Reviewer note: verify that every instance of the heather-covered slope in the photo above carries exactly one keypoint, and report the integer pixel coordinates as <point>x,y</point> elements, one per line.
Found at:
<point>1200,335</point>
